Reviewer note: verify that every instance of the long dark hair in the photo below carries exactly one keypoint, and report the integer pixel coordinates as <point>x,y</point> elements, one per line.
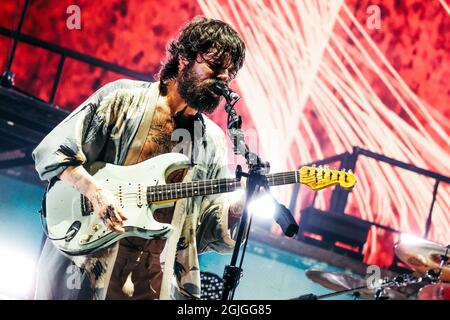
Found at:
<point>200,36</point>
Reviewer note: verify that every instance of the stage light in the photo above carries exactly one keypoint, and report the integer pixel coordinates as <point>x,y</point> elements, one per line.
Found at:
<point>17,271</point>
<point>237,196</point>
<point>265,206</point>
<point>262,206</point>
<point>407,238</point>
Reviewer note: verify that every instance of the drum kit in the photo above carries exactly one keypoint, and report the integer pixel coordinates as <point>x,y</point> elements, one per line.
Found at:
<point>430,281</point>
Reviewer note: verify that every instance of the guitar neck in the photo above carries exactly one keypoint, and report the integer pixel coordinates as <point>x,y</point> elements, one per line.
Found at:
<point>173,191</point>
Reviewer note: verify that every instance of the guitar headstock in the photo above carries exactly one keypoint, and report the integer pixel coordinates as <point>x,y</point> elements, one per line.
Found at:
<point>319,178</point>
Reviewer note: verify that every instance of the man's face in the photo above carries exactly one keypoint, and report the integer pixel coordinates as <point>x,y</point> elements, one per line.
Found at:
<point>196,81</point>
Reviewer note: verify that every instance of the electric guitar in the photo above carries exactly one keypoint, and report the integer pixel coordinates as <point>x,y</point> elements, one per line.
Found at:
<point>141,189</point>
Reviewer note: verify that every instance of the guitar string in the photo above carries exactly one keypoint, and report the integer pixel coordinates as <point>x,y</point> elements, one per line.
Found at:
<point>184,188</point>
<point>187,190</point>
<point>175,187</point>
<point>164,191</point>
<point>275,179</point>
<point>190,185</point>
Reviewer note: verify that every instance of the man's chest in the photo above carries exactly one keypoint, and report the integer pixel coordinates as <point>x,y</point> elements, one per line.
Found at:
<point>159,137</point>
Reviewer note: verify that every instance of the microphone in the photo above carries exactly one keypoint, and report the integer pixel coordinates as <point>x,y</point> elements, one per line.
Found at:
<point>221,88</point>
<point>285,220</point>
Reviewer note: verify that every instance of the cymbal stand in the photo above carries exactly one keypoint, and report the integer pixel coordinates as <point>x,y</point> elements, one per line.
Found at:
<point>398,281</point>
<point>434,275</point>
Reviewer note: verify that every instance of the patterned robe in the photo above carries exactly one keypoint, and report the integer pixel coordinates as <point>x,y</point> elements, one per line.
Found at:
<point>107,127</point>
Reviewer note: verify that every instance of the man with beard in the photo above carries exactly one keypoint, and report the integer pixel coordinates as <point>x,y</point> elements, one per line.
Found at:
<point>127,122</point>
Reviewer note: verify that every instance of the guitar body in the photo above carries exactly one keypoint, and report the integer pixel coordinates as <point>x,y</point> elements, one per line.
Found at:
<point>70,215</point>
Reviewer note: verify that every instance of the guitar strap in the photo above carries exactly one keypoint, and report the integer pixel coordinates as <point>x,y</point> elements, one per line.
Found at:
<point>141,135</point>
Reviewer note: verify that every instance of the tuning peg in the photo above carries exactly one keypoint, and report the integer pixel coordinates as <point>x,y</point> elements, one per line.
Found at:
<point>343,170</point>
<point>350,171</point>
<point>313,165</point>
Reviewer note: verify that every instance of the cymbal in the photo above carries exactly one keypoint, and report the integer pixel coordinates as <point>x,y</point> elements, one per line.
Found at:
<point>423,255</point>
<point>340,281</point>
<point>436,291</point>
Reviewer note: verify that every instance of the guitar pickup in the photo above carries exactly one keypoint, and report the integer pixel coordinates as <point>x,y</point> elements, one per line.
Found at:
<point>86,207</point>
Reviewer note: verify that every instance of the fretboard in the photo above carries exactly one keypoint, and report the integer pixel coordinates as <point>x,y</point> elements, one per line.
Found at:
<point>172,191</point>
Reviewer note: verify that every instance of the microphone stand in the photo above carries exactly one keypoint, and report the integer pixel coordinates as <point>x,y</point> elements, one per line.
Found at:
<point>257,169</point>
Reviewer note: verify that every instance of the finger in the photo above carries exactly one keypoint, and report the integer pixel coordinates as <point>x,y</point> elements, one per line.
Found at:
<point>114,227</point>
<point>102,216</point>
<point>106,219</point>
<point>113,213</point>
<point>108,223</point>
<point>116,218</point>
<point>122,216</point>
<point>118,229</point>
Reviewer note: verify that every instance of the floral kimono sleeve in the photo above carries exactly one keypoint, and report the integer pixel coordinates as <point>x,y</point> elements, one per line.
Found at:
<point>80,137</point>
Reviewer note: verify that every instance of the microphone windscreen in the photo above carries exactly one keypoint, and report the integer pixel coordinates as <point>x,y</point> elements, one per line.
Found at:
<point>219,88</point>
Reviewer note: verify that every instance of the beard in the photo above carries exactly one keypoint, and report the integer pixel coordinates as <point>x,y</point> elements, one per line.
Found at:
<point>197,94</point>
